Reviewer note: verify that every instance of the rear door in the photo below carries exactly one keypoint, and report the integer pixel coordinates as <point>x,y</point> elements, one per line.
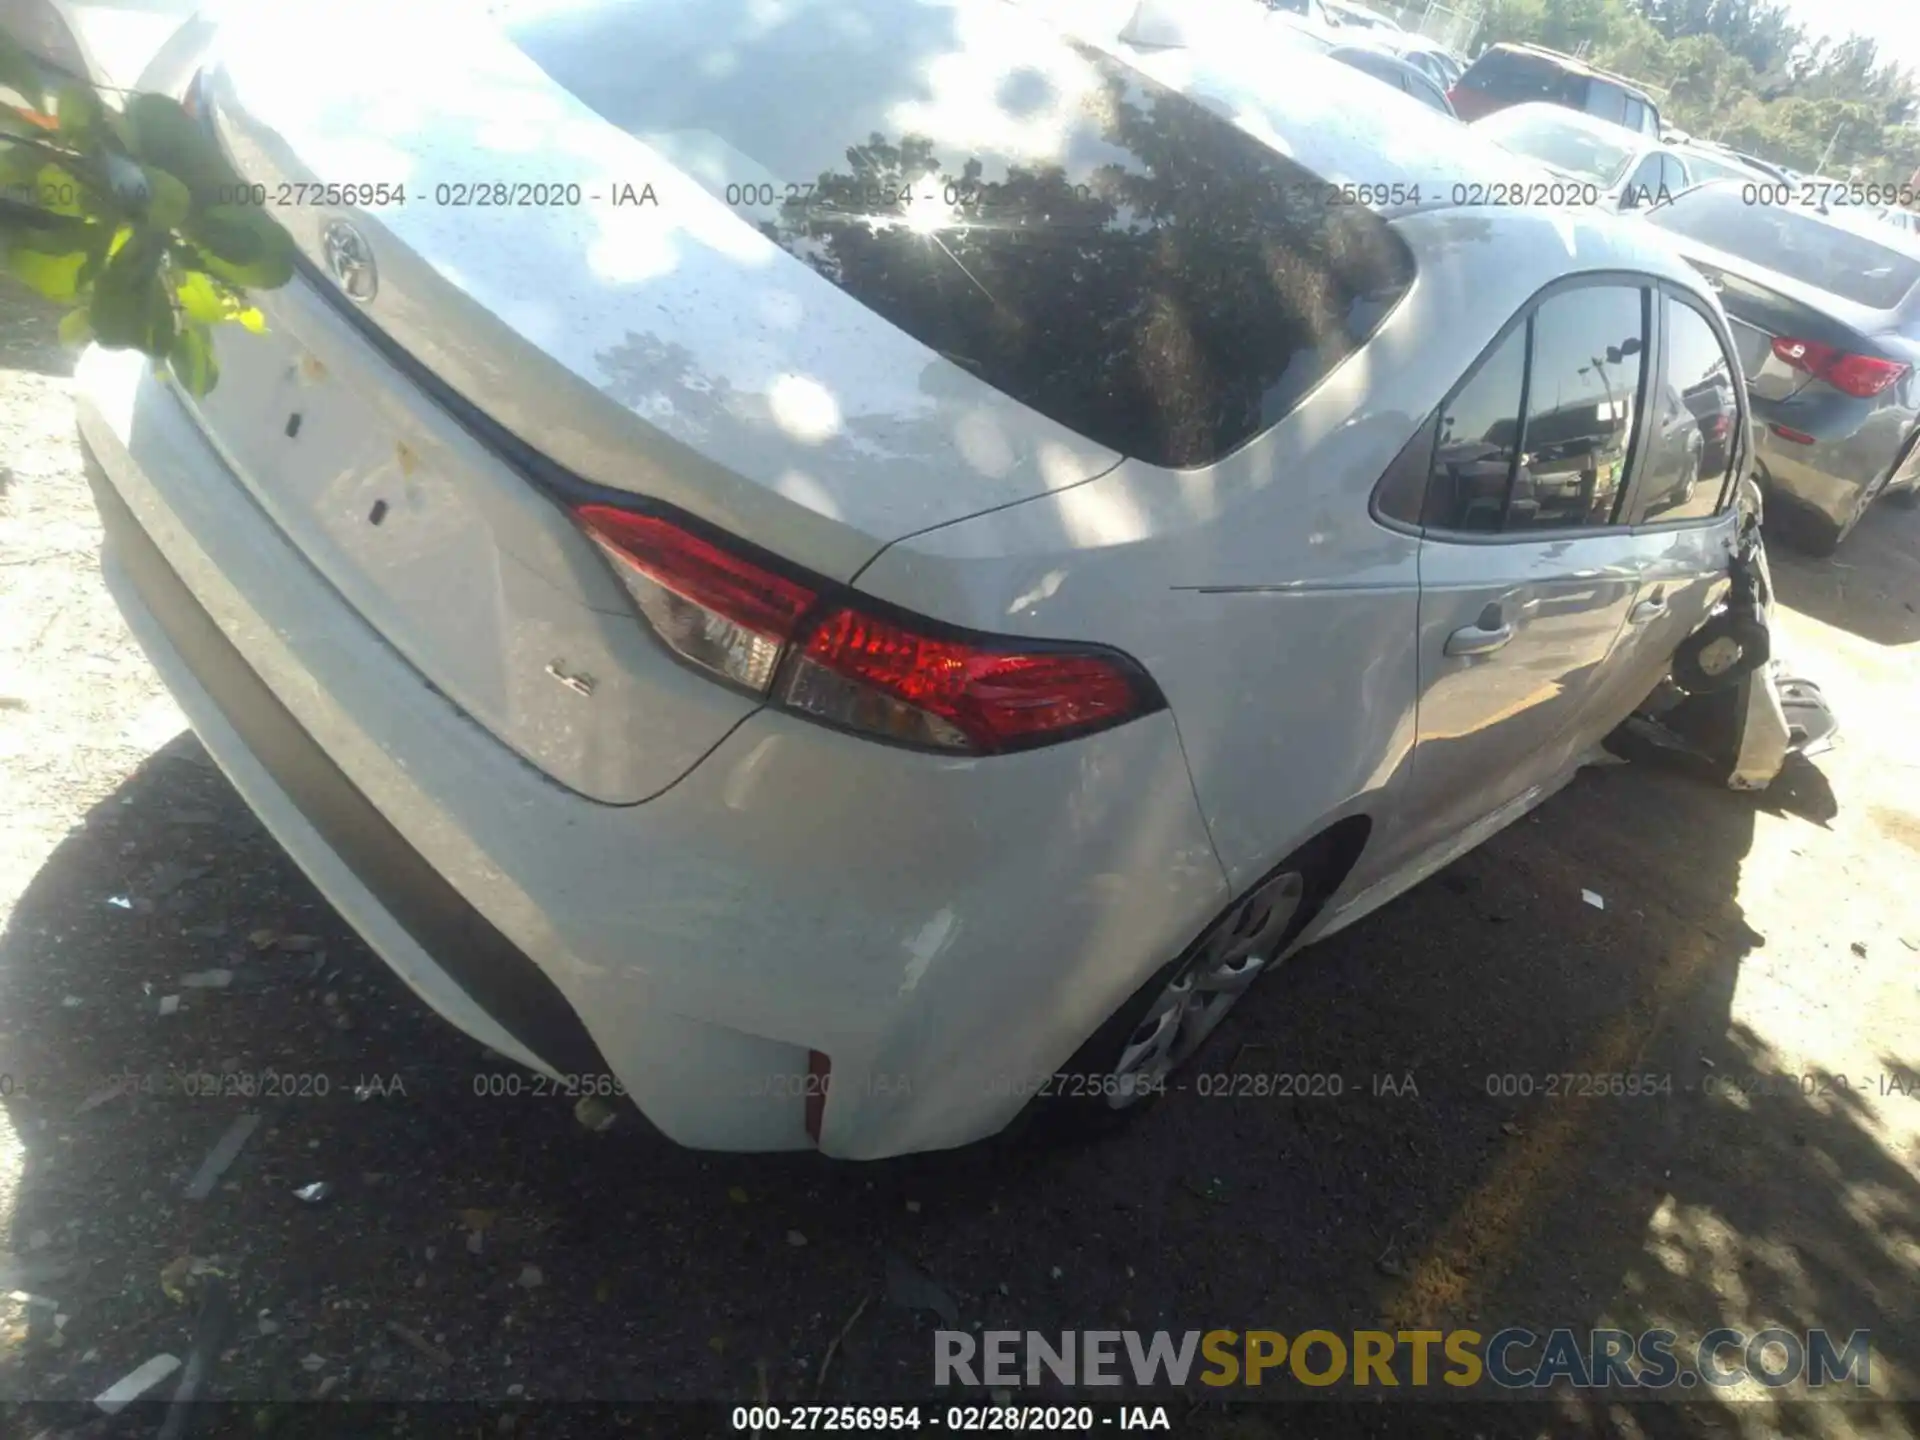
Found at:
<point>1682,503</point>
<point>1526,571</point>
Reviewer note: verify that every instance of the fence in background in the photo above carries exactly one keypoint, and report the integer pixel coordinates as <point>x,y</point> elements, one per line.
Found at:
<point>1457,28</point>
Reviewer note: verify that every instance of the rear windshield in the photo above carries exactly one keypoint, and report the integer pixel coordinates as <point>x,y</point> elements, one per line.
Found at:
<point>1516,77</point>
<point>1564,144</point>
<point>1794,242</point>
<point>1094,245</point>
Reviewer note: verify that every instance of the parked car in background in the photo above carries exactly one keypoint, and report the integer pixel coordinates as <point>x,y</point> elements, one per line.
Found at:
<point>1826,314</point>
<point>1705,161</point>
<point>1627,170</point>
<point>750,672</point>
<point>1507,74</point>
<point>1439,63</point>
<point>1311,18</point>
<point>1392,70</point>
<point>1900,218</point>
<point>1360,17</point>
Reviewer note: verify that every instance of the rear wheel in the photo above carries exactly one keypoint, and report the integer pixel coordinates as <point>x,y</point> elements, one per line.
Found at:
<point>1129,1061</point>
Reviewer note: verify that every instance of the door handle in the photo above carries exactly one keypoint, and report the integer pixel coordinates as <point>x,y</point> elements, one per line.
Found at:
<point>1647,611</point>
<point>1479,639</point>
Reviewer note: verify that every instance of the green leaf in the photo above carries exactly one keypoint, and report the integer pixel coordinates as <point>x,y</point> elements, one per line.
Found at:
<point>131,308</point>
<point>192,360</point>
<point>79,112</point>
<point>244,246</point>
<point>76,329</point>
<point>250,319</point>
<point>168,200</point>
<point>56,276</point>
<point>162,134</point>
<point>200,298</point>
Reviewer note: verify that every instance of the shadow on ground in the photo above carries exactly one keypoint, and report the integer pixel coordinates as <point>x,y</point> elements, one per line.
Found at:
<point>1870,586</point>
<point>1734,1191</point>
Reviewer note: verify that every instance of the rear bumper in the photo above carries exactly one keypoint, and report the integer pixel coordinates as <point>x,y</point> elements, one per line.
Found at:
<point>1830,474</point>
<point>941,929</point>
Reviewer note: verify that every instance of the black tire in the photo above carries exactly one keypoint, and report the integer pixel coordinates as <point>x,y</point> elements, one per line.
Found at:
<point>1069,1114</point>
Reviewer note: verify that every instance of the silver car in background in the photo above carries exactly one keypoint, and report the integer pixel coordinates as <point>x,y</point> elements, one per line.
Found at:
<point>1825,307</point>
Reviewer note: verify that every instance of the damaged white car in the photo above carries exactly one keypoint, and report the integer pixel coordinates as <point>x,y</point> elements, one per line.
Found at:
<point>1020,533</point>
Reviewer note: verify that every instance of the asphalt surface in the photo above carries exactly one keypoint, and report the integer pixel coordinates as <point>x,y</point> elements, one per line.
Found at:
<point>1760,953</point>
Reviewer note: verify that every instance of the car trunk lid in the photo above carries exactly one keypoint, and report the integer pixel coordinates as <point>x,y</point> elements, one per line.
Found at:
<point>1763,306</point>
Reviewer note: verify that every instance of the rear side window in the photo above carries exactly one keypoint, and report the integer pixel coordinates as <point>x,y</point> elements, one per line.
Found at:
<point>1608,101</point>
<point>1479,432</point>
<point>1695,415</point>
<point>1794,242</point>
<point>1094,245</point>
<point>1538,436</point>
<point>1515,77</point>
<point>1639,117</point>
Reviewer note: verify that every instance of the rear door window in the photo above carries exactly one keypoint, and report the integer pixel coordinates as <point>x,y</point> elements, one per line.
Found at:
<point>1538,437</point>
<point>1607,100</point>
<point>1695,417</point>
<point>1643,186</point>
<point>1636,116</point>
<point>1121,259</point>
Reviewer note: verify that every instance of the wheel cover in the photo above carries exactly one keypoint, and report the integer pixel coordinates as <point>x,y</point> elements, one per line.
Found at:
<point>1240,949</point>
<point>1720,656</point>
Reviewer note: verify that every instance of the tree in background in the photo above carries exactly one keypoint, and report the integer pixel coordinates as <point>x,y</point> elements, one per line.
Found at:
<point>1744,73</point>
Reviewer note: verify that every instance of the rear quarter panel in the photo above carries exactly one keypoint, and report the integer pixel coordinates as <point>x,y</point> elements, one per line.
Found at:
<point>1279,617</point>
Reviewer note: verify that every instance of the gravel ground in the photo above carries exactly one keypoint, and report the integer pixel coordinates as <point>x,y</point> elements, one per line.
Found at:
<point>490,1248</point>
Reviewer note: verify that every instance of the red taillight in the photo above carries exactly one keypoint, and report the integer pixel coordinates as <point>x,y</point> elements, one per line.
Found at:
<point>874,674</point>
<point>819,1081</point>
<point>1858,375</point>
<point>854,665</point>
<point>723,613</point>
<point>1787,432</point>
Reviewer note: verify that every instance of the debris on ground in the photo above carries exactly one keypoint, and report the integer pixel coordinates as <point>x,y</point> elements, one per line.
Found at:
<point>313,1194</point>
<point>313,1364</point>
<point>225,1149</point>
<point>795,1238</point>
<point>131,1386</point>
<point>113,1089</point>
<point>909,1288</point>
<point>833,1347</point>
<point>209,1338</point>
<point>1592,897</point>
<point>594,1113</point>
<point>530,1277</point>
<point>207,979</point>
<point>420,1343</point>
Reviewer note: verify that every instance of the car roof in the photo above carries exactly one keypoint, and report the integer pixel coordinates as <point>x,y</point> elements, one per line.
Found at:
<point>1576,65</point>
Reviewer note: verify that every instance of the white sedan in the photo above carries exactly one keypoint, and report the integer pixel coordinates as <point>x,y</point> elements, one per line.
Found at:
<point>851,571</point>
<point>1622,169</point>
